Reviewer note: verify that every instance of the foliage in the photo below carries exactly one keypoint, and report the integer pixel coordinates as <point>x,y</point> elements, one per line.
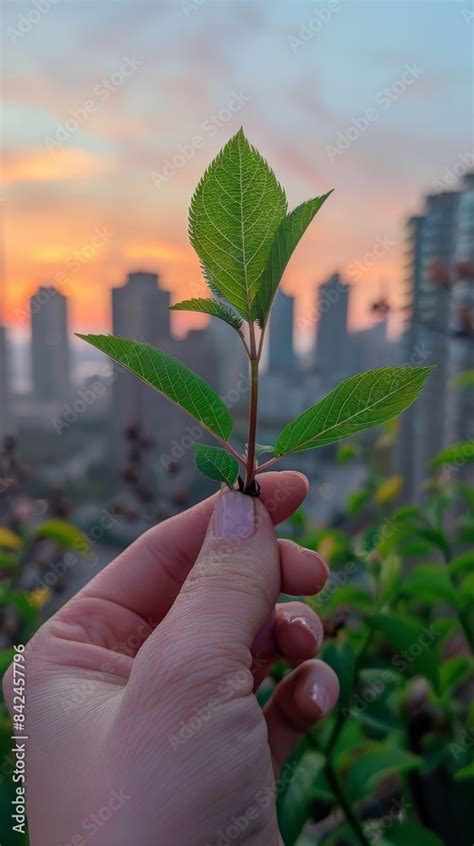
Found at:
<point>399,633</point>
<point>244,237</point>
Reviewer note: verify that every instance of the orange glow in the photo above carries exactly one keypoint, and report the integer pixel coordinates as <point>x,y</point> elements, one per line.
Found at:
<point>50,166</point>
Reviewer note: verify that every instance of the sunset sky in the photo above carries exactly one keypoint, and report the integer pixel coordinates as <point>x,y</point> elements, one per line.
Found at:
<point>102,98</point>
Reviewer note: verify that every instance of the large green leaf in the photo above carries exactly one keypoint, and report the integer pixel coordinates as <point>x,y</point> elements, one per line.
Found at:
<point>212,307</point>
<point>234,213</point>
<point>359,402</point>
<point>216,463</point>
<point>287,236</point>
<point>457,454</point>
<point>168,376</point>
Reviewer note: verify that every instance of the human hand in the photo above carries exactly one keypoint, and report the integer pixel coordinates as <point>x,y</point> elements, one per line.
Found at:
<point>142,722</point>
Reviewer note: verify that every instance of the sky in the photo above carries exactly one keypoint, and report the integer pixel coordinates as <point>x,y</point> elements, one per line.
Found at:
<point>112,110</point>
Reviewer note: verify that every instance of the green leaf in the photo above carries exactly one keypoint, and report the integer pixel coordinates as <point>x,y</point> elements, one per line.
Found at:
<point>359,402</point>
<point>454,671</point>
<point>212,307</point>
<point>340,656</point>
<point>6,658</point>
<point>428,582</point>
<point>414,644</point>
<point>63,533</point>
<point>234,214</point>
<point>390,573</point>
<point>462,380</point>
<point>216,463</point>
<point>457,454</point>
<point>356,500</point>
<point>463,563</point>
<point>168,376</point>
<point>286,238</point>
<point>294,809</point>
<point>376,762</point>
<point>407,833</point>
<point>465,773</point>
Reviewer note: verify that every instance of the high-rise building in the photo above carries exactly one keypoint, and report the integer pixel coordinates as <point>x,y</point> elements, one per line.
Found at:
<point>332,336</point>
<point>280,353</point>
<point>139,312</point>
<point>50,356</point>
<point>440,247</point>
<point>5,410</point>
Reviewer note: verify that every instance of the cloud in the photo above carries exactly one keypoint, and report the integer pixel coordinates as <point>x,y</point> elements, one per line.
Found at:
<point>65,165</point>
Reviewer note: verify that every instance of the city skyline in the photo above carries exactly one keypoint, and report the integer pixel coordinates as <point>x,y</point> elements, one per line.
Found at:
<point>103,184</point>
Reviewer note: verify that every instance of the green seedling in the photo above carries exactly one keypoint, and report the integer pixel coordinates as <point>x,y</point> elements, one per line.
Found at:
<point>244,236</point>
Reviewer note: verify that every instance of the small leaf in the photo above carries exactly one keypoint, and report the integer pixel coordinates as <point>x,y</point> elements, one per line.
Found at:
<point>462,380</point>
<point>388,490</point>
<point>168,376</point>
<point>359,402</point>
<point>456,454</point>
<point>63,533</point>
<point>429,582</point>
<point>454,671</point>
<point>357,500</point>
<point>212,307</point>
<point>465,773</point>
<point>216,463</point>
<point>390,572</point>
<point>234,213</point>
<point>8,539</point>
<point>286,238</point>
<point>340,656</point>
<point>463,563</point>
<point>414,644</point>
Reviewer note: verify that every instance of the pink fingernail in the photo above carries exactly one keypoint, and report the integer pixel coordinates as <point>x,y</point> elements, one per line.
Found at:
<point>319,696</point>
<point>234,516</point>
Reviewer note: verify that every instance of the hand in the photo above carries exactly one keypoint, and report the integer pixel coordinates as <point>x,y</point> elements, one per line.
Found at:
<point>143,726</point>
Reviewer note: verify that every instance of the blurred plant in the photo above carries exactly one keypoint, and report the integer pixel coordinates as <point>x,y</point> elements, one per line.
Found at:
<point>34,536</point>
<point>395,763</point>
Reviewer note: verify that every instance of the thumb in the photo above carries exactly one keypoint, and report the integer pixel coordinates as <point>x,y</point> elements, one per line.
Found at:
<point>234,584</point>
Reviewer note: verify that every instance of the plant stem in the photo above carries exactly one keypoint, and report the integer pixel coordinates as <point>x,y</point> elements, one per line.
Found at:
<point>253,408</point>
<point>345,804</point>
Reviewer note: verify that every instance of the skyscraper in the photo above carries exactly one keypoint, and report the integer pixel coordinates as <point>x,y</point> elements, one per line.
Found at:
<point>50,357</point>
<point>440,313</point>
<point>139,312</point>
<point>281,354</point>
<point>332,334</point>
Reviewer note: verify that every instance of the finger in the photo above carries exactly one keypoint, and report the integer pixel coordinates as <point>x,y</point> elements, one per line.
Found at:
<point>147,576</point>
<point>293,631</point>
<point>226,598</point>
<point>301,699</point>
<point>303,571</point>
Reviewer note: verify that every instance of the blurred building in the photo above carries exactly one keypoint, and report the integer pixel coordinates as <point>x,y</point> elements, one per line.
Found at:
<point>369,348</point>
<point>280,349</point>
<point>5,398</point>
<point>139,312</point>
<point>439,310</point>
<point>50,353</point>
<point>332,338</point>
